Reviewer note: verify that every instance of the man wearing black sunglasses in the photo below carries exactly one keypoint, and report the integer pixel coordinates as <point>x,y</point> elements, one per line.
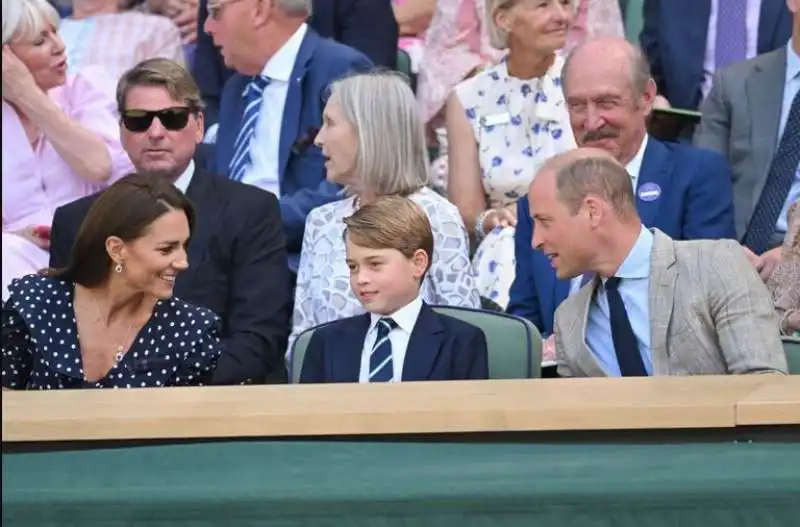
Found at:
<point>237,256</point>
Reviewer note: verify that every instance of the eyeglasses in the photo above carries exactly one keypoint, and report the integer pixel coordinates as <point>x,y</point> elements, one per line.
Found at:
<point>173,119</point>
<point>215,10</point>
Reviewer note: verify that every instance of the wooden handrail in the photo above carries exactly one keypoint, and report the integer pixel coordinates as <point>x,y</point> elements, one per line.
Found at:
<point>406,408</point>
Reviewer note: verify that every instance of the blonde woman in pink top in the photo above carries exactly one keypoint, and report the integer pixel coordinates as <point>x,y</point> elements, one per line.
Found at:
<point>60,135</point>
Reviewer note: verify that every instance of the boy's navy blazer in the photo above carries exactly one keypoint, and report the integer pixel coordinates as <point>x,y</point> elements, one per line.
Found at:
<point>440,348</point>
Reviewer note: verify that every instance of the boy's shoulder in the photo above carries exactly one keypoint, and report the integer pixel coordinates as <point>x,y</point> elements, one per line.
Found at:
<point>355,323</point>
<point>457,326</point>
<point>360,324</point>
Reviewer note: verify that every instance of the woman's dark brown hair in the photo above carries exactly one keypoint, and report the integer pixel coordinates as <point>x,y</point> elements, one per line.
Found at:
<point>125,210</point>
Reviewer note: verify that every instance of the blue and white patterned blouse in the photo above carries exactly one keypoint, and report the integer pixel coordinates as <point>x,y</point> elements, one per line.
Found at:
<point>518,125</point>
<point>323,280</point>
<point>178,346</point>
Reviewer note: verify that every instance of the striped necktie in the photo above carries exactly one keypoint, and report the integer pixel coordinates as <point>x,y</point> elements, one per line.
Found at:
<point>380,360</point>
<point>776,188</point>
<point>241,148</point>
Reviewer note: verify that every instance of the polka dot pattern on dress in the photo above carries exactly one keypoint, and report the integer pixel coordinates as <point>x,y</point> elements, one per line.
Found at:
<point>178,346</point>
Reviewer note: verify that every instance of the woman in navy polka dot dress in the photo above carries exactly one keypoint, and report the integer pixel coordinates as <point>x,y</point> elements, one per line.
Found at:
<point>108,320</point>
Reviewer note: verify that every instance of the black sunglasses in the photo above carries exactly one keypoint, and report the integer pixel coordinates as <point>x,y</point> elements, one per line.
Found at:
<point>173,119</point>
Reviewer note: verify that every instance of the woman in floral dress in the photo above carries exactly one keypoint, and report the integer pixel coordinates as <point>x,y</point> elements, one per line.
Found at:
<point>502,125</point>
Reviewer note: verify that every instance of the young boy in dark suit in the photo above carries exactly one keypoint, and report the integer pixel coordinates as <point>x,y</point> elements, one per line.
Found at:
<point>400,338</point>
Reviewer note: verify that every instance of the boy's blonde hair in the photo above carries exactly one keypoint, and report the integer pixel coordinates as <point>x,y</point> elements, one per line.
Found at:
<point>392,222</point>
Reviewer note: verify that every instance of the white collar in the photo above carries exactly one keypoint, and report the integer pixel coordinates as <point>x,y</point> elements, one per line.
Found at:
<point>405,317</point>
<point>792,62</point>
<point>281,65</point>
<point>635,165</point>
<point>185,179</point>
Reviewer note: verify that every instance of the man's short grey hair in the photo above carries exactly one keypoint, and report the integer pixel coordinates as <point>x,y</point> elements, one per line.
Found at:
<point>638,68</point>
<point>391,155</point>
<point>295,7</point>
<point>24,19</point>
<point>597,176</point>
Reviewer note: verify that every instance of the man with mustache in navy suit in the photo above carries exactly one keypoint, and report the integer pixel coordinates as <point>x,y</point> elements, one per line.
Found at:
<point>685,192</point>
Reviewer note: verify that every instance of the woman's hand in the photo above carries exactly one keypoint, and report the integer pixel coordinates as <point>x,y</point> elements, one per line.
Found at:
<point>18,82</point>
<point>766,263</point>
<point>36,235</point>
<point>186,19</point>
<point>500,217</point>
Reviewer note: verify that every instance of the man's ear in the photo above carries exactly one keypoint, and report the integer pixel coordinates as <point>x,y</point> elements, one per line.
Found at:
<point>263,10</point>
<point>649,97</point>
<point>594,210</point>
<point>199,122</point>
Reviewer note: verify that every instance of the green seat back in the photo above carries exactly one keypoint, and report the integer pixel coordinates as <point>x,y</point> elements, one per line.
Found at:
<point>514,344</point>
<point>791,345</point>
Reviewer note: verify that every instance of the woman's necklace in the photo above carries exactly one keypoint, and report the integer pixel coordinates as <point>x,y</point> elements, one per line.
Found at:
<point>119,347</point>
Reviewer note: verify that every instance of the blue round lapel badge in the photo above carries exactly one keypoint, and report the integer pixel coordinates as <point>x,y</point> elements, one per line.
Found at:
<point>649,192</point>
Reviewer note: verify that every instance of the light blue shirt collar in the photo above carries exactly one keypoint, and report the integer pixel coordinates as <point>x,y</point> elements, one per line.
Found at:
<point>637,263</point>
<point>792,63</point>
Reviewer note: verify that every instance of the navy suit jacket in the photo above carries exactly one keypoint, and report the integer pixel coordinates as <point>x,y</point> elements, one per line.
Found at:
<point>237,269</point>
<point>441,348</point>
<point>368,26</point>
<point>301,164</point>
<point>696,202</point>
<point>674,40</point>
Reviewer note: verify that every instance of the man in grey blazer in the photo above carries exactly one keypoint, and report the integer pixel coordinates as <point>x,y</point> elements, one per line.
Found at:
<point>649,305</point>
<point>752,117</point>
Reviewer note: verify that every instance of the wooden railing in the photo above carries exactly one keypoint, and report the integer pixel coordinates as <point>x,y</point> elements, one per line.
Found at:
<point>407,408</point>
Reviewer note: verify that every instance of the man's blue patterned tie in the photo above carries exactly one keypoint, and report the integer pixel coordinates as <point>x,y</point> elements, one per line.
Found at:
<point>776,188</point>
<point>241,148</point>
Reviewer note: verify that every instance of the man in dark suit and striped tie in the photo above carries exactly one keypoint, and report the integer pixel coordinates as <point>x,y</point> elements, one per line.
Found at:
<point>399,338</point>
<point>271,109</point>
